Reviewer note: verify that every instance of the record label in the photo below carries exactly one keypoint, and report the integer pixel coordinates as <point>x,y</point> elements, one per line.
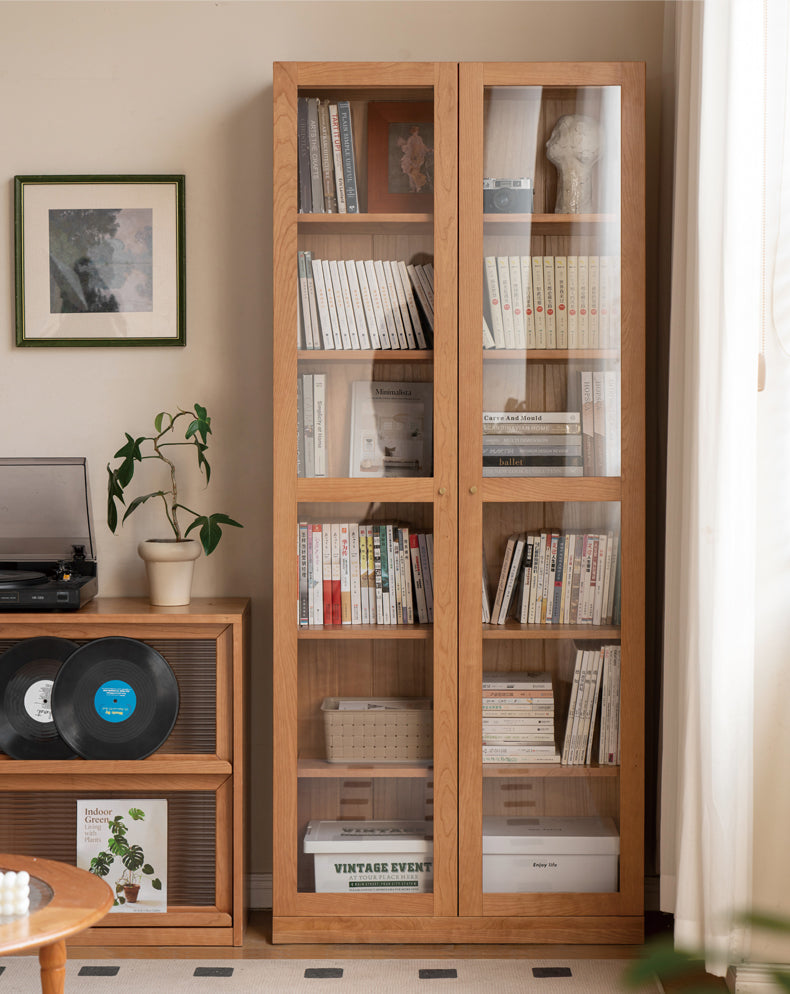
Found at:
<point>37,700</point>
<point>115,698</point>
<point>27,674</point>
<point>115,701</point>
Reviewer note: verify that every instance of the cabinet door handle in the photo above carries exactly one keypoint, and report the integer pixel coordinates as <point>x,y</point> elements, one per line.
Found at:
<point>473,490</point>
<point>442,491</point>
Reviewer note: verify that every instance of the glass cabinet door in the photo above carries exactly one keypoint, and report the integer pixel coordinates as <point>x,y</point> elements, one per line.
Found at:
<point>550,743</point>
<point>365,650</point>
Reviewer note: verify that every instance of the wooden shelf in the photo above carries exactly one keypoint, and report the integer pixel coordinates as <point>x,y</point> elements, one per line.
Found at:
<point>493,221</point>
<point>365,224</point>
<point>415,631</point>
<point>551,488</point>
<point>551,355</point>
<point>544,770</point>
<point>324,356</point>
<point>364,491</point>
<point>513,630</point>
<point>333,771</point>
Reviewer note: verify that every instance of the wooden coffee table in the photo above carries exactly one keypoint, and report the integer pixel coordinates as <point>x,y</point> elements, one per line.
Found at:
<point>63,902</point>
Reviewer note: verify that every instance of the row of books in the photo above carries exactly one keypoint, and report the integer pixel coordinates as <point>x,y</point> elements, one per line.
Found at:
<point>371,304</point>
<point>600,415</point>
<point>311,437</point>
<point>596,681</point>
<point>326,161</point>
<point>518,718</point>
<point>557,578</point>
<point>551,302</point>
<point>532,443</point>
<point>364,574</point>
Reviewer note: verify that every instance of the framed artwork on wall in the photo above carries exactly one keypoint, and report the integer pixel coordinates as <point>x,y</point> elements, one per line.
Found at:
<point>400,157</point>
<point>100,260</point>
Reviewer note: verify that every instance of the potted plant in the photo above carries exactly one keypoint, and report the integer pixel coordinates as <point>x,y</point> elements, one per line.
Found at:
<point>132,857</point>
<point>169,562</point>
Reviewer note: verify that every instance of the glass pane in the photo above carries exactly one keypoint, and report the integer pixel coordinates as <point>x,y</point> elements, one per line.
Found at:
<point>551,268</point>
<point>365,698</point>
<point>550,696</point>
<point>365,287</point>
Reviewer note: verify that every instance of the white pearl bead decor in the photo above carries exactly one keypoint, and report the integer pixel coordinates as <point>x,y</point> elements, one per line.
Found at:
<point>14,893</point>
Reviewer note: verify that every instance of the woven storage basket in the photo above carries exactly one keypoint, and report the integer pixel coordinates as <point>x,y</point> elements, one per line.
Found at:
<point>402,731</point>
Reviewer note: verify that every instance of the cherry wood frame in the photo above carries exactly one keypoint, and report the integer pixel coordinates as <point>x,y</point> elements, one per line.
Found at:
<point>458,496</point>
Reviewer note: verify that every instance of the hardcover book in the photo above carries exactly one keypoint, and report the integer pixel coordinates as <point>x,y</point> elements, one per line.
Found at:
<point>124,841</point>
<point>391,428</point>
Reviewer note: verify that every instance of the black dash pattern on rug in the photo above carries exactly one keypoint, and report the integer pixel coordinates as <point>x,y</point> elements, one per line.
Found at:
<point>438,974</point>
<point>98,971</point>
<point>213,971</point>
<point>323,973</point>
<point>551,971</point>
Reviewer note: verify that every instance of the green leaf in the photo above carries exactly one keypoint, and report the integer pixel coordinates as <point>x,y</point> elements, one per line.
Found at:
<point>148,869</point>
<point>202,461</point>
<point>114,491</point>
<point>118,845</point>
<point>133,507</point>
<point>130,453</point>
<point>771,923</point>
<point>156,883</point>
<point>158,420</point>
<point>137,814</point>
<point>662,959</point>
<point>210,531</point>
<point>100,865</point>
<point>201,425</point>
<point>133,859</point>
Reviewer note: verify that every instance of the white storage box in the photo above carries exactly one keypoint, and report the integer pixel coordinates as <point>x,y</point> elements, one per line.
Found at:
<point>371,857</point>
<point>532,855</point>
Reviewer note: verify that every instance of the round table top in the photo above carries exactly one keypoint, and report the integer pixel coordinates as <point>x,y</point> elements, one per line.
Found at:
<point>63,901</point>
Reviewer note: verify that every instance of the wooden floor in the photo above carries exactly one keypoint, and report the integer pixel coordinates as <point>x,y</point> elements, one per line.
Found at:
<point>258,945</point>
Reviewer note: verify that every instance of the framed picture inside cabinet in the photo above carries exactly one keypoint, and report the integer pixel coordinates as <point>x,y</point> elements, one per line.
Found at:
<point>99,260</point>
<point>400,157</point>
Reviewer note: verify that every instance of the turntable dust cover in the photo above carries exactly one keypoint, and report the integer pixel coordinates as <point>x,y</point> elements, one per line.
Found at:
<point>124,841</point>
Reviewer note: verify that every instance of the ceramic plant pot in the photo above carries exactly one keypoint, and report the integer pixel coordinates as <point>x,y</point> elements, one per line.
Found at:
<point>169,565</point>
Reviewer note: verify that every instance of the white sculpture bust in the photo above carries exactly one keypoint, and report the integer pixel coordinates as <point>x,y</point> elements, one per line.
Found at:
<point>574,147</point>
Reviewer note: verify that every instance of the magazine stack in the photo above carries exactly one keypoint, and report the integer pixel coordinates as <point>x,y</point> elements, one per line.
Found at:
<point>532,443</point>
<point>518,718</point>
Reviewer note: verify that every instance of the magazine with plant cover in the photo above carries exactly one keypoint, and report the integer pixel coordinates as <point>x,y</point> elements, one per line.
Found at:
<point>124,841</point>
<point>391,428</point>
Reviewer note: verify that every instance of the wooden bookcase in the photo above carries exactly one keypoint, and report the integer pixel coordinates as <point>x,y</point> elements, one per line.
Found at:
<point>488,120</point>
<point>200,769</point>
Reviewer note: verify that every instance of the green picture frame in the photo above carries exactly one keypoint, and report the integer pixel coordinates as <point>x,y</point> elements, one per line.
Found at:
<point>100,261</point>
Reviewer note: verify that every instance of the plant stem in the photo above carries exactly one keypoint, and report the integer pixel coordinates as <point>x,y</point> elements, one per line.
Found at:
<point>172,511</point>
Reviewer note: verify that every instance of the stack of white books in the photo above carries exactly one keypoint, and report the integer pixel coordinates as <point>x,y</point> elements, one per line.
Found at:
<point>518,718</point>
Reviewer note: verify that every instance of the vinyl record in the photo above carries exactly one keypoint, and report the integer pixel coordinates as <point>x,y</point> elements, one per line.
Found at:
<point>115,698</point>
<point>27,672</point>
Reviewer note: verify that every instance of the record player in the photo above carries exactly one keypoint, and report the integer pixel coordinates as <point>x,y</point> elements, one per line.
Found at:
<point>47,558</point>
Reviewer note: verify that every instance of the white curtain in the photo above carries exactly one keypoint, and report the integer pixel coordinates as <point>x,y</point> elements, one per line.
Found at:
<point>709,630</point>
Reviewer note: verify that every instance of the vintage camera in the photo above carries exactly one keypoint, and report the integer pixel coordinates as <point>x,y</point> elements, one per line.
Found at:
<point>507,196</point>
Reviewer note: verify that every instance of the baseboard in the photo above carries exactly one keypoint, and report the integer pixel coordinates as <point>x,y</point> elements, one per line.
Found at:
<point>260,890</point>
<point>754,978</point>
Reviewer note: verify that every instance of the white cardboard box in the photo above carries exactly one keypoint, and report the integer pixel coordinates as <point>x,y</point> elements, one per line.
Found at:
<point>534,855</point>
<point>371,857</point>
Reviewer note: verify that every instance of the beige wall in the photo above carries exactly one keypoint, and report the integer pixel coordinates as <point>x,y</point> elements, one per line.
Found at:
<point>186,87</point>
